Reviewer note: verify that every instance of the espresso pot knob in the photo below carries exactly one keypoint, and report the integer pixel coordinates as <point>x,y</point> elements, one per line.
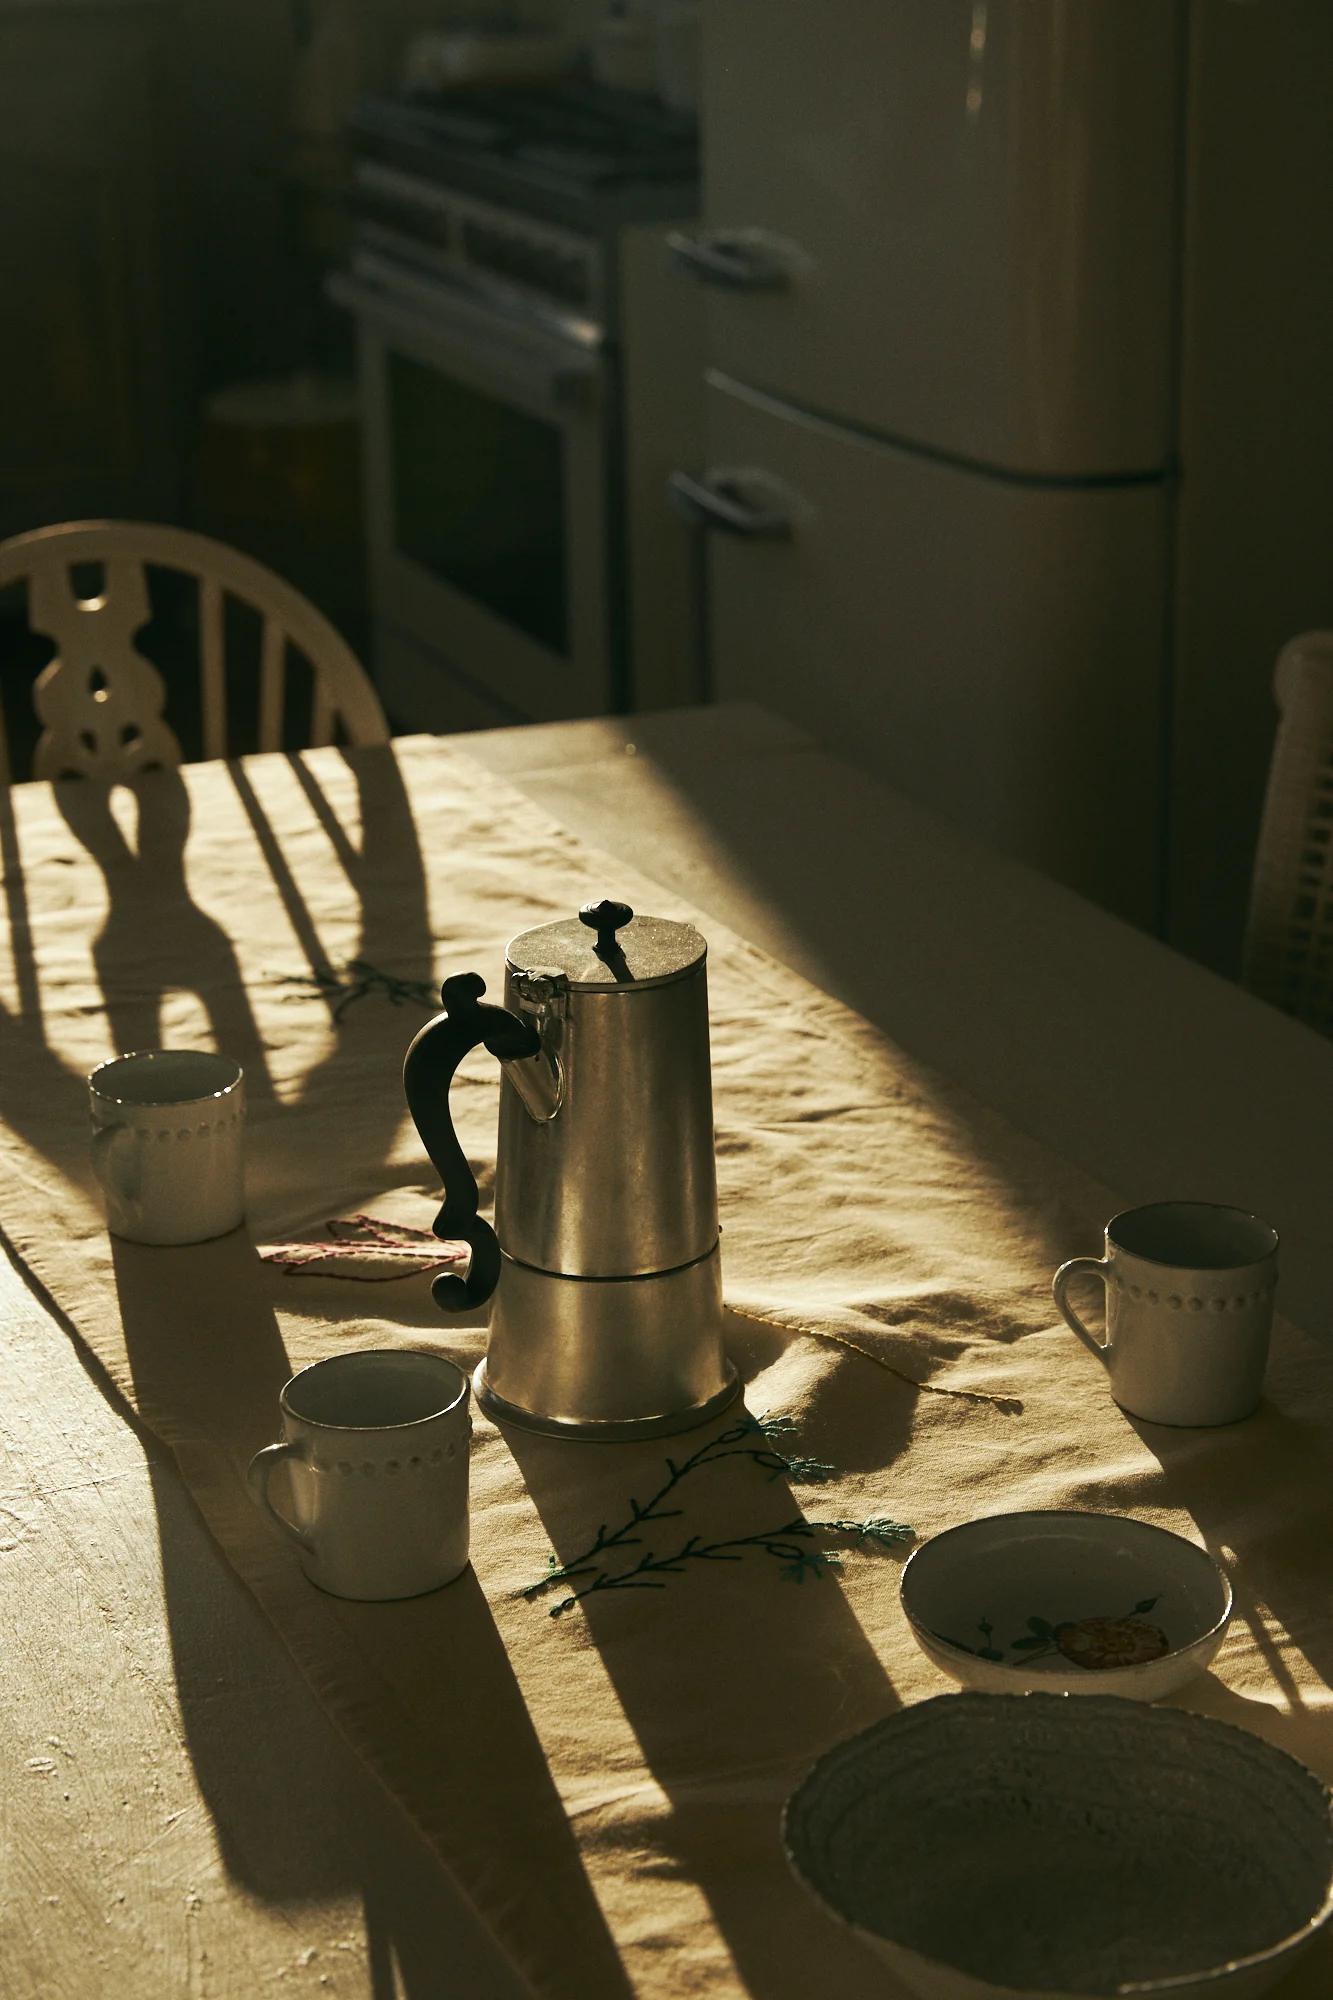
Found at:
<point>606,918</point>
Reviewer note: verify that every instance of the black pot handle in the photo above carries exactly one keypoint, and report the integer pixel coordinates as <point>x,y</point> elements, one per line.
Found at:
<point>428,1071</point>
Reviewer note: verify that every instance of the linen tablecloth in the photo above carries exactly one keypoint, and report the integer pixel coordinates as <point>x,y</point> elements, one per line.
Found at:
<point>604,1783</point>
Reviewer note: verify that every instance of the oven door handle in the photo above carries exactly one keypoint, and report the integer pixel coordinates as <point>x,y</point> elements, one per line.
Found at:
<point>565,379</point>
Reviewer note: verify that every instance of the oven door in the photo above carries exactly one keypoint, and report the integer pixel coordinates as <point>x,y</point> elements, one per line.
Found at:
<point>486,467</point>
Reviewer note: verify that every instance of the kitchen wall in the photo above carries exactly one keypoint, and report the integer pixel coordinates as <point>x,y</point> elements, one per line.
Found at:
<point>577,17</point>
<point>172,173</point>
<point>252,71</point>
<point>236,61</point>
<point>231,84</point>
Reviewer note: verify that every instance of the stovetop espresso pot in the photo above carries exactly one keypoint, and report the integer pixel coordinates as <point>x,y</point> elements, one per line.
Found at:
<point>603,1262</point>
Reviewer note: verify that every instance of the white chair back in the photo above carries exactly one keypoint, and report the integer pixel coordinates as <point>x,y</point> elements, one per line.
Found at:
<point>1289,934</point>
<point>100,701</point>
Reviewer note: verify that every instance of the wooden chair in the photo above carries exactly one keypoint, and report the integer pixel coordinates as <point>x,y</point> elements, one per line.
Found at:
<point>100,701</point>
<point>1289,933</point>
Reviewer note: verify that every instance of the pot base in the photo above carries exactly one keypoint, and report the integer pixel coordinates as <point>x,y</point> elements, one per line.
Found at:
<point>623,1432</point>
<point>612,1358</point>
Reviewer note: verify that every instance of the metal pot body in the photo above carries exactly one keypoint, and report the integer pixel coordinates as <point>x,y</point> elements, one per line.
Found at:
<point>607,1319</point>
<point>619,1181</point>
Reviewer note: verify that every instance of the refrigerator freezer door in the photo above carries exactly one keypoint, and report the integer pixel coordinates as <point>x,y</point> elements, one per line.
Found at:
<point>992,648</point>
<point>950,221</point>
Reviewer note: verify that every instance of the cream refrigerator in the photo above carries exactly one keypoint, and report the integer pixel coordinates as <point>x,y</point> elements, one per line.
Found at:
<point>946,261</point>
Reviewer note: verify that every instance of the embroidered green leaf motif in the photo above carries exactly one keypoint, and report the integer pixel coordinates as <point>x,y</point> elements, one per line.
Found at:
<point>805,1471</point>
<point>888,1534</point>
<point>342,985</point>
<point>812,1563</point>
<point>749,1438</point>
<point>884,1533</point>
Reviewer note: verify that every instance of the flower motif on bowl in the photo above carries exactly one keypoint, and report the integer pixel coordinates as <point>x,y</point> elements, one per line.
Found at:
<point>1127,1640</point>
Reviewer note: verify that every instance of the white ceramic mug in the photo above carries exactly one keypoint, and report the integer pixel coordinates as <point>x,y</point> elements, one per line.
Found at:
<point>169,1144</point>
<point>1189,1310</point>
<point>376,1450</point>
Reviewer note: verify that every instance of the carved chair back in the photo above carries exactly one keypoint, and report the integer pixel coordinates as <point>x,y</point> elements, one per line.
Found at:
<point>1289,932</point>
<point>100,701</point>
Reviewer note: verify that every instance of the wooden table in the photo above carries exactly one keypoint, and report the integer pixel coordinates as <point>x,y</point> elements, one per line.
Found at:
<point>252,1851</point>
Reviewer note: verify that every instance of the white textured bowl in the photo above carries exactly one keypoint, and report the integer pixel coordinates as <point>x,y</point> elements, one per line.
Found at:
<point>1068,1603</point>
<point>1030,1847</point>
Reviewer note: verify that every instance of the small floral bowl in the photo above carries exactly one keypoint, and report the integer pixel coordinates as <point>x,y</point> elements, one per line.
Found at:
<point>1067,1602</point>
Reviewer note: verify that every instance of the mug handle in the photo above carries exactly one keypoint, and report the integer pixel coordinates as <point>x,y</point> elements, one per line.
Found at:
<point>257,1477</point>
<point>1096,1266</point>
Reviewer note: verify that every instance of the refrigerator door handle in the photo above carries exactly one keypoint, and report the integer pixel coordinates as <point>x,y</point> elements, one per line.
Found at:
<point>741,259</point>
<point>715,502</point>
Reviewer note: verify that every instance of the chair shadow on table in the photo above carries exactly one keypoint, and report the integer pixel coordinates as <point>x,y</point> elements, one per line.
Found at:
<point>1278,1564</point>
<point>148,897</point>
<point>733,1676</point>
<point>297,1817</point>
<point>156,941</point>
<point>148,903</point>
<point>294,1820</point>
<point>1279,1572</point>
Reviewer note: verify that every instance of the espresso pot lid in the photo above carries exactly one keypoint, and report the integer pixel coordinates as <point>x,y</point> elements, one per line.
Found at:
<point>607,946</point>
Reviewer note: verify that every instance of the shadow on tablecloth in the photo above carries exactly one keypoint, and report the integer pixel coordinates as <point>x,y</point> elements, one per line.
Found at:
<point>214,1343</point>
<point>207,1362</point>
<point>735,1674</point>
<point>1275,1551</point>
